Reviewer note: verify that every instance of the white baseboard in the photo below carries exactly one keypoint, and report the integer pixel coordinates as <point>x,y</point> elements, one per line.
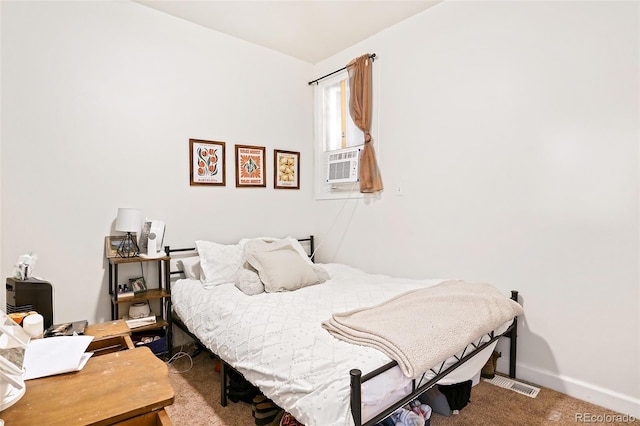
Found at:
<point>597,395</point>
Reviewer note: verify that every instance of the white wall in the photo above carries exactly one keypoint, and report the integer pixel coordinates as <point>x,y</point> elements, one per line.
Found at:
<point>97,94</point>
<point>512,129</point>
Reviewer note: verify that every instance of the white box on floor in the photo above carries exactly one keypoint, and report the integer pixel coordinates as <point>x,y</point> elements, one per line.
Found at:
<point>475,379</point>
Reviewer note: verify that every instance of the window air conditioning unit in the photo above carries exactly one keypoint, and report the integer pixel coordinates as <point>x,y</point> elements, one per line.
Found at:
<point>343,165</point>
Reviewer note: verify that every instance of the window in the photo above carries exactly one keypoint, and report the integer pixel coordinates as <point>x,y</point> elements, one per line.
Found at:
<point>339,130</point>
<point>336,139</point>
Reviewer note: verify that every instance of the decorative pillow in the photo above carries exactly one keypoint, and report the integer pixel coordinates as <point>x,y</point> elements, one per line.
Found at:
<point>293,242</point>
<point>247,279</point>
<point>321,272</point>
<point>298,247</point>
<point>219,263</point>
<point>248,282</point>
<point>282,270</point>
<point>190,266</point>
<point>256,245</point>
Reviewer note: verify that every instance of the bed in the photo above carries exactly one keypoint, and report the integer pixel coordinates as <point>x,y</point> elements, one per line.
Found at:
<point>279,341</point>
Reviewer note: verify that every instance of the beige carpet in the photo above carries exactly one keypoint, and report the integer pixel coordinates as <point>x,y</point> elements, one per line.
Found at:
<point>197,402</point>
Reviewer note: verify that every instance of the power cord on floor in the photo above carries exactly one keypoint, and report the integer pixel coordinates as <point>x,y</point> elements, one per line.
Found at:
<point>177,356</point>
<point>335,219</point>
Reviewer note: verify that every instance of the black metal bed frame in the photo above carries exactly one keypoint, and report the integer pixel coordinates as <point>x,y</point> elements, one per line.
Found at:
<point>418,386</point>
<point>357,378</point>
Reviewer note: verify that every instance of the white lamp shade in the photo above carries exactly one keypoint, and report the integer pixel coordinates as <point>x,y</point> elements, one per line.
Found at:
<point>129,220</point>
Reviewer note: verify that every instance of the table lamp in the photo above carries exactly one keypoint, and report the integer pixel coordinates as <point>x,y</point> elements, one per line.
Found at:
<point>129,220</point>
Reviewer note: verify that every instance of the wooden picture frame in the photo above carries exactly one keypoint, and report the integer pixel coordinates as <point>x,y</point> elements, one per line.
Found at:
<point>250,166</point>
<point>112,242</point>
<point>206,163</point>
<point>286,169</point>
<point>137,285</point>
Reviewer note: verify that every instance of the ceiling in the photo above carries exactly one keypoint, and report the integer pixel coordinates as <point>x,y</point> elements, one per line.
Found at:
<point>309,30</point>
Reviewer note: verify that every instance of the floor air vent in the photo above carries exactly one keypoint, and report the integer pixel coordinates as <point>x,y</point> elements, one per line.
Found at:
<point>507,383</point>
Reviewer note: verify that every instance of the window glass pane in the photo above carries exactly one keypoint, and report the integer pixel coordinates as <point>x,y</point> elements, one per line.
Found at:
<point>355,136</point>
<point>331,113</point>
<point>339,131</point>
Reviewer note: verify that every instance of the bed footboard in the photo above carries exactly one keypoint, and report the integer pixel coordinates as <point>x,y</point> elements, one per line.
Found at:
<point>512,334</point>
<point>357,378</point>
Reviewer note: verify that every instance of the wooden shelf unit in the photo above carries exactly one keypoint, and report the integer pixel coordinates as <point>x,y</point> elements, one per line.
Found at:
<point>162,292</point>
<point>149,294</point>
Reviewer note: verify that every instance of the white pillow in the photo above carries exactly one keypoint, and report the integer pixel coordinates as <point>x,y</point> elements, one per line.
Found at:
<point>249,282</point>
<point>256,245</point>
<point>219,263</point>
<point>321,272</point>
<point>247,279</point>
<point>190,266</point>
<point>298,247</point>
<point>295,244</point>
<point>282,270</point>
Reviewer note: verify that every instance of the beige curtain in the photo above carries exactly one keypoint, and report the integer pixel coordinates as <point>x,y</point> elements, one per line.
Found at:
<point>360,108</point>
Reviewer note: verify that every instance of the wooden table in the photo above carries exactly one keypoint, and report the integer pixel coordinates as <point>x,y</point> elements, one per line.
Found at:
<point>109,337</point>
<point>130,386</point>
<point>107,329</point>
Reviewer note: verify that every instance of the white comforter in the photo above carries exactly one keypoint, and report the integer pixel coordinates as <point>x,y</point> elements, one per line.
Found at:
<point>276,340</point>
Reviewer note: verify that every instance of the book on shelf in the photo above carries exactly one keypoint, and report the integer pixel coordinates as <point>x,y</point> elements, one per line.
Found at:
<point>125,295</point>
<point>141,322</point>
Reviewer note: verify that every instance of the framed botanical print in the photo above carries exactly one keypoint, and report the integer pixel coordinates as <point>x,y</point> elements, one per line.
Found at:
<point>286,169</point>
<point>250,166</point>
<point>206,162</point>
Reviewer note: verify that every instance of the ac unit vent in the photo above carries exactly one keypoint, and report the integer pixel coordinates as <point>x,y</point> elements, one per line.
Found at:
<point>343,164</point>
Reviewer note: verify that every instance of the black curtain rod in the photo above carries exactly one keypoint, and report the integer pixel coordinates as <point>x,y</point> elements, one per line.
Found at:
<point>372,57</point>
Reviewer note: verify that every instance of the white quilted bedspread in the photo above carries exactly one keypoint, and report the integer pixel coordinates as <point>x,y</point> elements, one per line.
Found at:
<point>276,340</point>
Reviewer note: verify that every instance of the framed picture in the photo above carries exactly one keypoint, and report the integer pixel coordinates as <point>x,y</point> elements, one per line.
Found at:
<point>151,226</point>
<point>112,243</point>
<point>206,162</point>
<point>137,285</point>
<point>250,166</point>
<point>286,169</point>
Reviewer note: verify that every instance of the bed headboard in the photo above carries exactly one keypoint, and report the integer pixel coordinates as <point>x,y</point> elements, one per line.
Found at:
<point>311,247</point>
<point>308,243</point>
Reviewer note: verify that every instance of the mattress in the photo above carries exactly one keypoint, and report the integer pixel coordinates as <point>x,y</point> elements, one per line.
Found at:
<point>276,341</point>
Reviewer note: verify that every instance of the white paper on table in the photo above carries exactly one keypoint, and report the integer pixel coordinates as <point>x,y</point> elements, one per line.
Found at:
<point>55,355</point>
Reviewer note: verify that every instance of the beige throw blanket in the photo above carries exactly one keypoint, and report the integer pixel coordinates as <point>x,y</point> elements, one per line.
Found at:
<point>421,328</point>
